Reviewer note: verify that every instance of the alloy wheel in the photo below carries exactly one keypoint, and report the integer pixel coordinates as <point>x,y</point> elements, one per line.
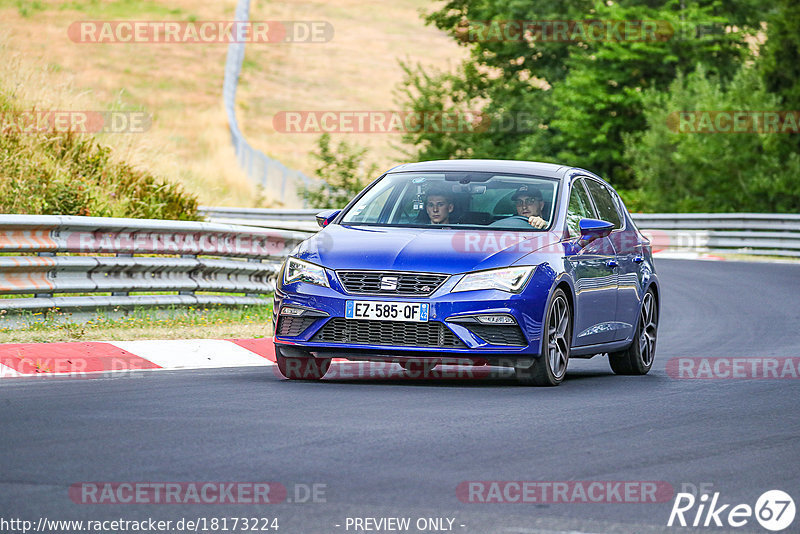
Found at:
<point>557,331</point>
<point>648,321</point>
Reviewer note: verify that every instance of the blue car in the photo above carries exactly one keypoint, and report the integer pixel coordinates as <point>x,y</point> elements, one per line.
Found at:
<point>478,262</point>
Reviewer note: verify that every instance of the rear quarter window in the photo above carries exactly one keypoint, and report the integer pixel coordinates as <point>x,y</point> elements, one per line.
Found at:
<point>607,207</point>
<point>580,207</point>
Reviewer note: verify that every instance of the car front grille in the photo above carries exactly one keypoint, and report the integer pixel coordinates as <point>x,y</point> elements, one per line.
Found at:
<point>498,334</point>
<point>387,333</point>
<point>293,326</point>
<point>410,284</point>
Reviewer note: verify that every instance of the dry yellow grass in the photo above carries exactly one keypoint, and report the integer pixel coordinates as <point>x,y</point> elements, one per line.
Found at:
<point>180,85</point>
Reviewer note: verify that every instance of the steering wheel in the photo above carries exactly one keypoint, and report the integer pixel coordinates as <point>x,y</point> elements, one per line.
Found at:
<point>527,221</point>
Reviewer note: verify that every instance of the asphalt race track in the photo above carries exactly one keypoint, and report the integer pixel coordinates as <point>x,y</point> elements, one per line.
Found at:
<point>382,448</point>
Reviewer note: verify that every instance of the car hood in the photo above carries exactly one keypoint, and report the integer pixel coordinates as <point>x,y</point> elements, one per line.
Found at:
<point>419,249</point>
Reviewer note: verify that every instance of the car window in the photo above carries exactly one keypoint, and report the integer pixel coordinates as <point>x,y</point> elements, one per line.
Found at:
<point>604,202</point>
<point>478,199</point>
<point>580,207</point>
<point>494,201</point>
<point>377,197</point>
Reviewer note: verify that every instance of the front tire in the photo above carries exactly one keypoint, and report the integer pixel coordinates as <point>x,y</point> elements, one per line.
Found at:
<point>638,358</point>
<point>550,367</point>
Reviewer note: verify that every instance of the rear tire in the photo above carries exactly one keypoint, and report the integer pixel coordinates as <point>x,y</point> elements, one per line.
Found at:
<point>550,368</point>
<point>302,368</point>
<point>638,358</point>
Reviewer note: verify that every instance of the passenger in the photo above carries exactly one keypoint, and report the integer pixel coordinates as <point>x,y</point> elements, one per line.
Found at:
<point>439,205</point>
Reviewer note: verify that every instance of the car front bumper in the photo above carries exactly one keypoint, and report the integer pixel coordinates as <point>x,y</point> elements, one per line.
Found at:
<point>451,333</point>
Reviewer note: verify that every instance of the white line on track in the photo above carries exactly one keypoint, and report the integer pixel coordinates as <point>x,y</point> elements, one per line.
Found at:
<point>8,372</point>
<point>193,353</point>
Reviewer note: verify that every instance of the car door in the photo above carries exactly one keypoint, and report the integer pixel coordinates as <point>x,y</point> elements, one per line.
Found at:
<point>594,275</point>
<point>628,254</point>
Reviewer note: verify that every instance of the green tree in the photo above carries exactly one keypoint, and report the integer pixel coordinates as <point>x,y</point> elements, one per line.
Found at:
<point>343,174</point>
<point>711,172</point>
<point>780,60</point>
<point>584,93</point>
<point>780,53</point>
<point>600,98</point>
<point>502,78</point>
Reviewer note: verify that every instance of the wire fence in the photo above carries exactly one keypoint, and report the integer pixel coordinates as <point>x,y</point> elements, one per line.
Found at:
<point>272,175</point>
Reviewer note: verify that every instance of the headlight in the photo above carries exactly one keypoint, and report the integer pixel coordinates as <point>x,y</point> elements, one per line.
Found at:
<point>302,271</point>
<point>511,279</point>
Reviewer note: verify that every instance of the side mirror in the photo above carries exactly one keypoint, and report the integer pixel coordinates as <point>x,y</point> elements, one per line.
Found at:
<point>324,218</point>
<point>592,229</point>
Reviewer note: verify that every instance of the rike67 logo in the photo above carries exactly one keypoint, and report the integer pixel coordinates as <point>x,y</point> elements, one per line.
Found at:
<point>774,510</point>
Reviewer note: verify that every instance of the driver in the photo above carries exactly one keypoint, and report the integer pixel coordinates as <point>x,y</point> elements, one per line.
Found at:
<point>529,203</point>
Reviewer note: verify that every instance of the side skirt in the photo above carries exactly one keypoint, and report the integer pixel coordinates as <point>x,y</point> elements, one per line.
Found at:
<point>589,351</point>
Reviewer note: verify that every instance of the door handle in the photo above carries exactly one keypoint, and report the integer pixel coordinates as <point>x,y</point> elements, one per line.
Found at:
<point>612,263</point>
<point>638,259</point>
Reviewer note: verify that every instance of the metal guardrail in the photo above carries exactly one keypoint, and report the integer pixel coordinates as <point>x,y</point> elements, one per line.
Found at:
<point>740,233</point>
<point>719,221</point>
<point>128,257</point>
<point>271,174</point>
<point>301,220</point>
<point>260,214</point>
<point>46,260</point>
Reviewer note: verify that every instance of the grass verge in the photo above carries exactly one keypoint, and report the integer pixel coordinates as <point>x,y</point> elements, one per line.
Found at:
<point>180,85</point>
<point>49,170</point>
<point>213,322</point>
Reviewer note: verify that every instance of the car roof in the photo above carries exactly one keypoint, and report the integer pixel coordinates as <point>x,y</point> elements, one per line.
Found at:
<point>548,170</point>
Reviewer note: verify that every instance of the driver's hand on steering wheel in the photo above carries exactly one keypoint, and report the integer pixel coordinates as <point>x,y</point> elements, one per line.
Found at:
<point>537,222</point>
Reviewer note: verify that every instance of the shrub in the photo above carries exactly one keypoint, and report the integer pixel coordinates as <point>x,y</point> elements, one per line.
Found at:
<point>343,174</point>
<point>711,172</point>
<point>64,173</point>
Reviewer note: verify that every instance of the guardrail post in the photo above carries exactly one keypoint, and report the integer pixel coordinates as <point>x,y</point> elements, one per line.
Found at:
<point>44,295</point>
<point>191,257</point>
<point>253,260</point>
<point>122,293</point>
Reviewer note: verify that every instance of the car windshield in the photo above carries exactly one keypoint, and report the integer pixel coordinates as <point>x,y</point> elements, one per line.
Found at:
<point>457,199</point>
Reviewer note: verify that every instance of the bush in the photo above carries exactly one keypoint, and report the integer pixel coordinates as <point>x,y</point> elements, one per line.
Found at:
<point>343,174</point>
<point>712,172</point>
<point>64,173</point>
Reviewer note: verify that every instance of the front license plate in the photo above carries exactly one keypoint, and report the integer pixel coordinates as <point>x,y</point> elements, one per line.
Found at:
<point>387,311</point>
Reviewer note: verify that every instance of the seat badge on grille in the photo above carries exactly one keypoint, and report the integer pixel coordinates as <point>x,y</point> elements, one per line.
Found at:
<point>388,283</point>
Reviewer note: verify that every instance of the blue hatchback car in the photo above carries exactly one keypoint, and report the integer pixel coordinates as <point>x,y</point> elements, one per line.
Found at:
<point>478,262</point>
